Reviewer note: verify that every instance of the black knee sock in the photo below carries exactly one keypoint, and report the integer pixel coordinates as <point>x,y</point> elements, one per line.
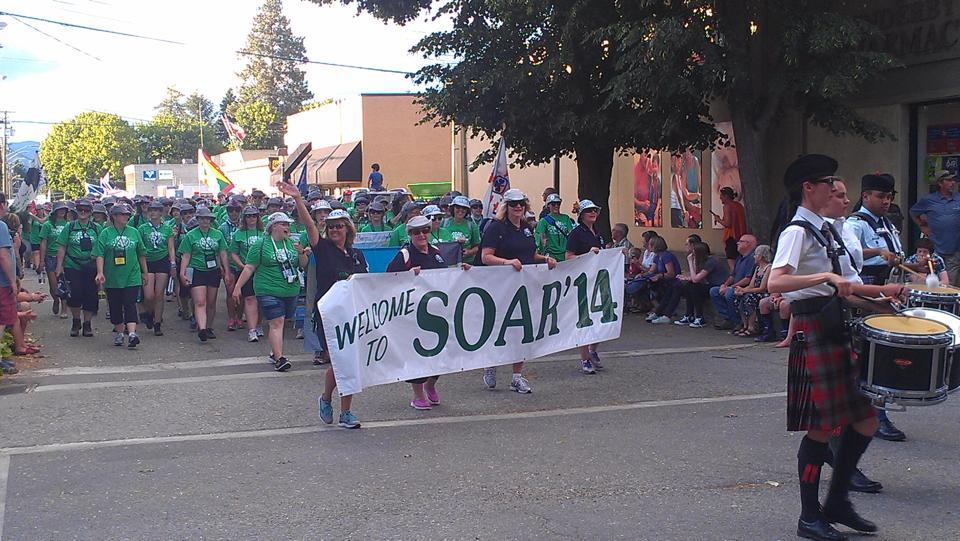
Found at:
<point>810,458</point>
<point>852,446</point>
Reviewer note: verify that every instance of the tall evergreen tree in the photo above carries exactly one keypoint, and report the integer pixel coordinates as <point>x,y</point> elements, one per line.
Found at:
<point>272,57</point>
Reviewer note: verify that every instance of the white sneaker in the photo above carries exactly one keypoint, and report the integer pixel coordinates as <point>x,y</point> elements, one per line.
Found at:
<point>685,320</point>
<point>259,330</point>
<point>252,336</point>
<point>490,377</point>
<point>520,385</point>
<point>698,323</point>
<point>661,320</point>
<point>300,334</point>
<point>651,316</point>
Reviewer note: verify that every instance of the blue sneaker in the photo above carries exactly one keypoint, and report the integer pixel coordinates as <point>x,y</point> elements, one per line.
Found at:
<point>587,367</point>
<point>348,420</point>
<point>193,323</point>
<point>325,411</point>
<point>595,359</point>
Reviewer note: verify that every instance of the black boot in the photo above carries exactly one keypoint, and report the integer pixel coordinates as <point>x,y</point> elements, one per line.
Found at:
<point>784,327</point>
<point>75,328</point>
<point>858,481</point>
<point>156,329</point>
<point>837,509</point>
<point>887,431</point>
<point>87,329</point>
<point>812,524</point>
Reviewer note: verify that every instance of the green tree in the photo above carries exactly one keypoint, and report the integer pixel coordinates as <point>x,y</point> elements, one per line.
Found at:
<point>273,56</point>
<point>261,122</point>
<point>595,77</point>
<point>174,132</point>
<point>763,58</point>
<point>172,103</point>
<point>85,147</point>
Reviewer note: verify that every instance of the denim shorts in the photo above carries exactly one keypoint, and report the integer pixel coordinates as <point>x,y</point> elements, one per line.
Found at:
<point>50,263</point>
<point>274,307</point>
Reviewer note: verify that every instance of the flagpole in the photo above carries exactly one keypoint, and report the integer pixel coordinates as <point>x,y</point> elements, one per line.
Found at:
<point>200,114</point>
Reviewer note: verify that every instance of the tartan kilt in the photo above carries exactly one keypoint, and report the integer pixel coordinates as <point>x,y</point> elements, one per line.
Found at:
<point>822,391</point>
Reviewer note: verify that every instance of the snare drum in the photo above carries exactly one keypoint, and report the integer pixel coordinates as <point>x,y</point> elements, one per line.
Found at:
<point>953,353</point>
<point>946,298</point>
<point>903,359</point>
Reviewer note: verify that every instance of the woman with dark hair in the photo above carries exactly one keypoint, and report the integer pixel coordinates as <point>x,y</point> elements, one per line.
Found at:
<point>582,240</point>
<point>705,272</point>
<point>203,263</point>
<point>49,233</point>
<point>121,270</point>
<point>336,259</point>
<point>734,222</point>
<point>158,241</point>
<point>508,240</point>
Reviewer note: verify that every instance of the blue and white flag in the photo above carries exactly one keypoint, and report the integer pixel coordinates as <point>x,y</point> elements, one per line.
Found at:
<point>302,183</point>
<point>498,184</point>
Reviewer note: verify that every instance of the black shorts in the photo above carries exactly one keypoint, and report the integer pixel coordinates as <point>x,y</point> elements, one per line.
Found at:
<point>83,289</point>
<point>210,278</point>
<point>247,289</point>
<point>731,248</point>
<point>160,266</point>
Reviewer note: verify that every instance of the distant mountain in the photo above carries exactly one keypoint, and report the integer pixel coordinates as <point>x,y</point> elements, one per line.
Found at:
<point>22,151</point>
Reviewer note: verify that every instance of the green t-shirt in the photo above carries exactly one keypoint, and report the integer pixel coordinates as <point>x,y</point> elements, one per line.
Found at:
<point>51,232</point>
<point>399,236</point>
<point>556,244</point>
<point>36,225</point>
<point>120,251</point>
<point>72,238</point>
<point>203,248</point>
<point>155,240</point>
<point>466,230</point>
<point>370,228</point>
<point>268,278</point>
<point>440,235</point>
<point>243,239</point>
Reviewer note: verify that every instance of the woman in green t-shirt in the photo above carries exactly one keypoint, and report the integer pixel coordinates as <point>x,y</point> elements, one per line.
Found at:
<point>75,262</point>
<point>158,244</point>
<point>204,261</point>
<point>121,270</point>
<point>463,230</point>
<point>375,223</point>
<point>274,262</point>
<point>249,232</point>
<point>37,217</point>
<point>49,233</point>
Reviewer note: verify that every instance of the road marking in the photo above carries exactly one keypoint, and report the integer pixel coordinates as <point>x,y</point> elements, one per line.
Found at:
<point>242,361</point>
<point>84,386</point>
<point>4,473</point>
<point>274,432</point>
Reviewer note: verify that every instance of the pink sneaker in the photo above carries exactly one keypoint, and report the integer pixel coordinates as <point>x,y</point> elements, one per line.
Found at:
<point>432,396</point>
<point>420,404</point>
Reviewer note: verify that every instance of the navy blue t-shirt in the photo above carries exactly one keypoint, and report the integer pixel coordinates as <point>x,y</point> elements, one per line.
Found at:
<point>430,260</point>
<point>333,264</point>
<point>581,240</point>
<point>509,242</point>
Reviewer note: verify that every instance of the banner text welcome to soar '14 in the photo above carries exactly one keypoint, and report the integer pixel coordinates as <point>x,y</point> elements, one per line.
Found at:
<point>385,328</point>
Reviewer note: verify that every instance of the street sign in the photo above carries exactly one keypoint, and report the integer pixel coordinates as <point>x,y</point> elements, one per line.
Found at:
<point>166,174</point>
<point>150,174</point>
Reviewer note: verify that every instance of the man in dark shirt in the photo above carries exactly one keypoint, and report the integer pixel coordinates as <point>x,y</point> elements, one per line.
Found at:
<point>722,296</point>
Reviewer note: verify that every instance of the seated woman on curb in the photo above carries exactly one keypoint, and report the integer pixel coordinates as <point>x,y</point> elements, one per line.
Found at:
<point>672,290</point>
<point>417,256</point>
<point>747,299</point>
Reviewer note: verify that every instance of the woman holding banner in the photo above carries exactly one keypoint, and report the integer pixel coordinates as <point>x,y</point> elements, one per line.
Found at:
<point>336,259</point>
<point>584,239</point>
<point>508,240</point>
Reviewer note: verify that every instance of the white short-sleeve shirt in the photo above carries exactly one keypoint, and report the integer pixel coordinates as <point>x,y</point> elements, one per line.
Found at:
<point>804,255</point>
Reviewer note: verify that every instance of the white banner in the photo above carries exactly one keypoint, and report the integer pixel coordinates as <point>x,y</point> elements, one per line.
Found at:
<point>389,328</point>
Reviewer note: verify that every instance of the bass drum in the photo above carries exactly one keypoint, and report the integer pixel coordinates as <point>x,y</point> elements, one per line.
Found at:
<point>903,359</point>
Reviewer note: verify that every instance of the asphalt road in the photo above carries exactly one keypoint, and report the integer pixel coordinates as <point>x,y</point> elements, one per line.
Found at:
<point>682,437</point>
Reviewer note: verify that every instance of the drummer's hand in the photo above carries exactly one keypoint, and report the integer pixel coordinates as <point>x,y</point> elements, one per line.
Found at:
<point>894,291</point>
<point>844,287</point>
<point>889,257</point>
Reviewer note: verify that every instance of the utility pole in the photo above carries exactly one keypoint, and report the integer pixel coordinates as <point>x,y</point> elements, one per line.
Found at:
<point>3,156</point>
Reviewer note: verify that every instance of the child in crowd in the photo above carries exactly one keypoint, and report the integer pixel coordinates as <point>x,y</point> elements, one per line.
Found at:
<point>920,262</point>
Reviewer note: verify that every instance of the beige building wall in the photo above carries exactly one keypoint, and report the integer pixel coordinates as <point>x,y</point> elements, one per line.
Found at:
<point>408,152</point>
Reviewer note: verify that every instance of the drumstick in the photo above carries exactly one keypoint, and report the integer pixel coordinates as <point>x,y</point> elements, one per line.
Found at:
<point>906,268</point>
<point>930,264</point>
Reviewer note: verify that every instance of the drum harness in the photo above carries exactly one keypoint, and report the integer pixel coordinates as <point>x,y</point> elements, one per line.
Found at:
<point>885,230</point>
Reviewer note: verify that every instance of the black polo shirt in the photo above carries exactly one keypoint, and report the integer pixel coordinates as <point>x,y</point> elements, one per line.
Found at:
<point>334,265</point>
<point>581,240</point>
<point>509,242</point>
<point>430,260</point>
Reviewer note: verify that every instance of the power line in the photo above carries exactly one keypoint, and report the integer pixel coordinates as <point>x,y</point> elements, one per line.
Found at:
<point>321,63</point>
<point>91,28</point>
<point>58,40</point>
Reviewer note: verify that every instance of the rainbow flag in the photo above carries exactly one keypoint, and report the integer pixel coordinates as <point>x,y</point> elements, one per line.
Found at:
<point>212,175</point>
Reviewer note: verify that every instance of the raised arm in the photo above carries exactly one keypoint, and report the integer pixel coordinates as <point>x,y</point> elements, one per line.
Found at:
<point>303,213</point>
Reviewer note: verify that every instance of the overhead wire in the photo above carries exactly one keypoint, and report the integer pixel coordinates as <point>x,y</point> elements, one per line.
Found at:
<point>54,38</point>
<point>91,28</point>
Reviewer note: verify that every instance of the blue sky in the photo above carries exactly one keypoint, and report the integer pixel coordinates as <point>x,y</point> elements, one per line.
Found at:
<point>49,80</point>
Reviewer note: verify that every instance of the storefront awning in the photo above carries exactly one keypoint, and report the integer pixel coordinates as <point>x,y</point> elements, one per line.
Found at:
<point>331,165</point>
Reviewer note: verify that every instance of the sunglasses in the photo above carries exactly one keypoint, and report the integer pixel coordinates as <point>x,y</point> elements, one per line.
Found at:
<point>515,204</point>
<point>84,210</point>
<point>476,206</point>
<point>589,211</point>
<point>374,212</point>
<point>420,231</point>
<point>335,226</point>
<point>825,180</point>
<point>436,218</point>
